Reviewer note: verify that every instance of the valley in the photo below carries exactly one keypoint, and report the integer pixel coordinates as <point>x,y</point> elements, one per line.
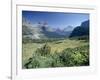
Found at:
<point>55,39</point>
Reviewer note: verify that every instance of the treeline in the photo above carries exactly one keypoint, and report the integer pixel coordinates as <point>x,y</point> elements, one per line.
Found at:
<point>43,58</point>
<point>29,40</point>
<point>86,38</point>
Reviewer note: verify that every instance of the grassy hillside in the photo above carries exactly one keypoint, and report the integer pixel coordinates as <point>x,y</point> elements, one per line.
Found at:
<point>29,49</point>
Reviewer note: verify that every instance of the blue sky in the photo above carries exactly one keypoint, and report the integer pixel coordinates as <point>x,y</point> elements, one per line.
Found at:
<point>55,19</point>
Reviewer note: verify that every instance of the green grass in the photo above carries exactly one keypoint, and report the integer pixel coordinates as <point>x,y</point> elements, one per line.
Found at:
<point>56,46</point>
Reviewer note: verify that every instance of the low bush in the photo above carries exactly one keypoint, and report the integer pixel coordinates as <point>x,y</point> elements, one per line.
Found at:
<point>43,58</point>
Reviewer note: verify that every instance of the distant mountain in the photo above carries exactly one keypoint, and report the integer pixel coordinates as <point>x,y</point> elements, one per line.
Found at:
<point>81,30</point>
<point>68,28</point>
<point>26,30</point>
<point>42,31</point>
<point>51,32</point>
<point>66,31</point>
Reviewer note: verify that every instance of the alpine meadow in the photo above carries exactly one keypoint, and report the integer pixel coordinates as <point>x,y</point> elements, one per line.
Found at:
<point>55,39</point>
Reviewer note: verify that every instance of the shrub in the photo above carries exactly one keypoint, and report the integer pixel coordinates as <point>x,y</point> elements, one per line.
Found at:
<point>43,58</point>
<point>45,50</point>
<point>66,57</point>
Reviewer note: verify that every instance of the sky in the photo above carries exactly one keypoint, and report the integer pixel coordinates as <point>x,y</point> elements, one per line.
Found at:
<point>55,19</point>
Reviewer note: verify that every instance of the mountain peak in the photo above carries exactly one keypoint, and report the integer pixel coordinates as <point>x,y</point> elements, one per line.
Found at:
<point>81,30</point>
<point>68,28</point>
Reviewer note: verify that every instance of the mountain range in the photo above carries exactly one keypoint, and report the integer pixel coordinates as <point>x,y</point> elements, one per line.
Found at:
<point>38,31</point>
<point>42,31</point>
